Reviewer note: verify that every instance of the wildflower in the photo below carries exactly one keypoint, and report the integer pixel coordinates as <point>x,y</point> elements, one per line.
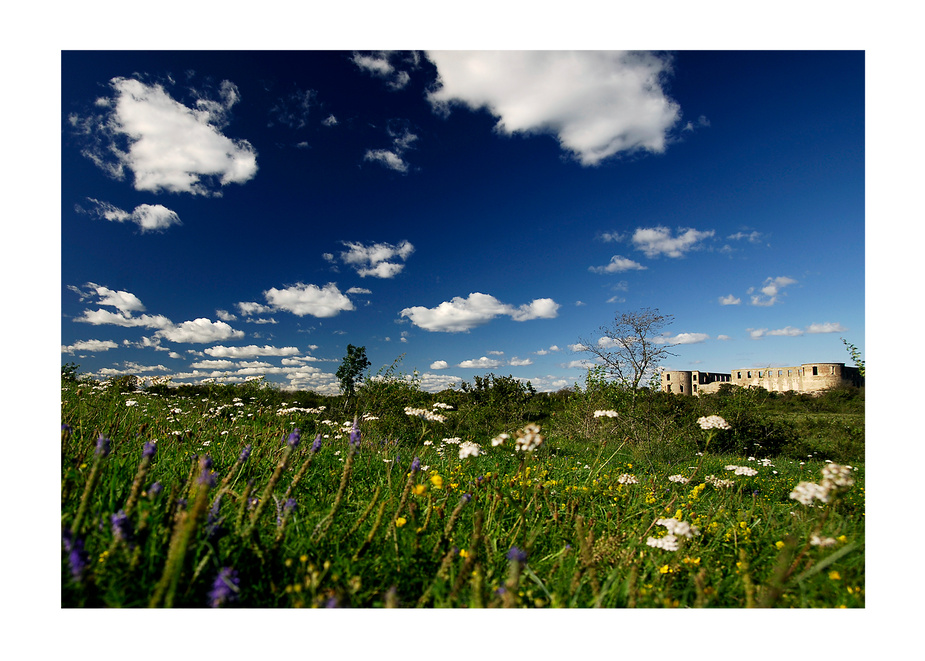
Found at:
<point>605,414</point>
<point>834,575</point>
<point>834,475</point>
<point>779,545</point>
<point>290,505</point>
<point>742,470</point>
<point>294,438</point>
<point>245,453</point>
<point>626,478</point>
<point>131,402</point>
<point>121,526</point>
<point>499,439</point>
<point>824,542</point>
<point>676,527</point>
<point>468,449</point>
<point>415,465</point>
<point>77,556</point>
<point>528,438</point>
<point>712,422</point>
<point>718,483</point>
<point>517,555</point>
<point>463,553</point>
<point>149,450</point>
<point>355,435</point>
<point>428,442</point>
<point>400,521</point>
<point>103,446</point>
<point>225,587</point>
<point>437,481</point>
<point>154,489</point>
<point>678,478</point>
<point>441,405</point>
<point>806,492</point>
<point>418,489</point>
<point>667,543</point>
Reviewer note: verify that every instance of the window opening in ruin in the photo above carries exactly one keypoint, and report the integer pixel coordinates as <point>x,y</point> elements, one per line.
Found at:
<point>815,370</point>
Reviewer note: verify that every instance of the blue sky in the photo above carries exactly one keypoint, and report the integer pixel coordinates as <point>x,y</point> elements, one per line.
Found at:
<point>226,215</point>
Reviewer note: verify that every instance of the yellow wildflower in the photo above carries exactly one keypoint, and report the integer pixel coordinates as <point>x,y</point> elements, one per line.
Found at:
<point>418,489</point>
<point>463,553</point>
<point>779,544</point>
<point>400,521</point>
<point>664,569</point>
<point>834,575</point>
<point>437,481</point>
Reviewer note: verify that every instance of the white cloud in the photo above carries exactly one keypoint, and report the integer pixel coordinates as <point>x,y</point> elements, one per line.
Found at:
<point>611,237</point>
<point>437,382</point>
<point>166,145</point>
<point>393,158</point>
<point>618,264</point>
<point>199,331</point>
<point>358,290</point>
<point>379,64</point>
<point>597,103</point>
<point>682,338</point>
<point>250,351</point>
<point>379,260</point>
<point>480,363</point>
<point>439,365</point>
<point>122,300</point>
<point>520,362</point>
<point>89,345</point>
<point>301,300</point>
<point>248,308</point>
<point>829,327</point>
<point>769,293</point>
<point>124,319</point>
<point>751,237</point>
<point>224,315</point>
<point>148,217</point>
<point>729,300</point>
<point>462,314</point>
<point>655,241</point>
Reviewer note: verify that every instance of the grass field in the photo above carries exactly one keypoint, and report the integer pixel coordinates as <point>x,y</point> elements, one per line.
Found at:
<point>232,497</point>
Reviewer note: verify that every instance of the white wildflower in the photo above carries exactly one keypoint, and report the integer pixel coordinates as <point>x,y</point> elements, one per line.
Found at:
<point>469,449</point>
<point>816,540</point>
<point>806,492</point>
<point>626,478</point>
<point>836,475</point>
<point>742,470</point>
<point>719,483</point>
<point>667,543</point>
<point>528,438</point>
<point>713,422</point>
<point>499,439</point>
<point>679,528</point>
<point>605,414</point>
<point>441,405</point>
<point>678,478</point>
<point>131,402</point>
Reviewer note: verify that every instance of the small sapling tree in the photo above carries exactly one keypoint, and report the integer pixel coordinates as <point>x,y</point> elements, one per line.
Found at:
<point>350,371</point>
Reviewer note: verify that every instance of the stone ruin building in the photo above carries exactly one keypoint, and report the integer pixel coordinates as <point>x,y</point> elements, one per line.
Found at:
<point>807,378</point>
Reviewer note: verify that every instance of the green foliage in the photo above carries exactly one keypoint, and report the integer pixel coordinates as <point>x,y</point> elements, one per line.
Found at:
<point>855,354</point>
<point>366,531</point>
<point>351,369</point>
<point>69,372</point>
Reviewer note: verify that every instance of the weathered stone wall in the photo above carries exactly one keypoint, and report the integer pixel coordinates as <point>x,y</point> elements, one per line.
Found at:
<point>809,378</point>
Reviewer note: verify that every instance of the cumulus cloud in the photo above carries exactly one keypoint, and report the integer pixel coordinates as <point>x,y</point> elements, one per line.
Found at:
<point>618,264</point>
<point>248,308</point>
<point>166,145</point>
<point>439,365</point>
<point>598,104</point>
<point>682,338</point>
<point>378,260</point>
<point>250,351</point>
<point>385,65</point>
<point>729,300</point>
<point>121,300</point>
<point>394,157</point>
<point>520,362</point>
<point>199,331</point>
<point>769,293</point>
<point>655,241</point>
<point>480,363</point>
<point>125,319</point>
<point>829,327</point>
<point>148,217</point>
<point>461,314</point>
<point>92,346</point>
<point>312,300</point>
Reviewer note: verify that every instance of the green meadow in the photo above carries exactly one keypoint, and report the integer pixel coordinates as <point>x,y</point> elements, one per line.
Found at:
<point>489,495</point>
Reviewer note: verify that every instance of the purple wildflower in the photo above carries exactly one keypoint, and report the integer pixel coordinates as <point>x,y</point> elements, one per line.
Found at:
<point>415,465</point>
<point>466,497</point>
<point>294,438</point>
<point>121,526</point>
<point>355,435</point>
<point>103,446</point>
<point>155,489</point>
<point>207,477</point>
<point>245,453</point>
<point>516,555</point>
<point>149,450</point>
<point>76,555</point>
<point>225,587</point>
<point>290,505</point>
<point>65,432</point>
<point>316,445</point>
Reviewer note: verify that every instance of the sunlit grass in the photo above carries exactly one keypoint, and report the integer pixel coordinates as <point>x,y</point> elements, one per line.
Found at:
<point>233,509</point>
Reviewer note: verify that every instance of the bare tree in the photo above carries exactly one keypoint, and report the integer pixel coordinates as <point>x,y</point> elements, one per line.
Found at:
<point>633,346</point>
